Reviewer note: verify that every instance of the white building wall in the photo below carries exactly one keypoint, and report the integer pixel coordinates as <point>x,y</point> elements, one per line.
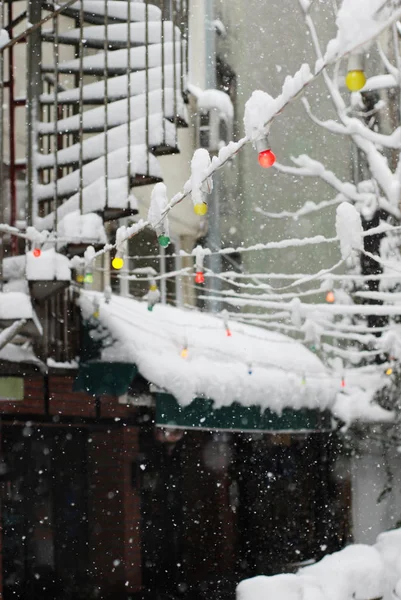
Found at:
<point>368,474</point>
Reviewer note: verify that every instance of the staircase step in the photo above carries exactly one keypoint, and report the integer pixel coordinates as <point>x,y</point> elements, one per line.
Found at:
<point>117,87</point>
<point>117,11</point>
<point>144,168</point>
<point>94,201</point>
<point>94,119</point>
<point>94,37</point>
<point>118,60</point>
<point>162,134</point>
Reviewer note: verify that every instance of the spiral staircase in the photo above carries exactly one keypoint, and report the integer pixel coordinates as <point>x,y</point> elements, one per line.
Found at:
<point>108,102</point>
<point>104,94</point>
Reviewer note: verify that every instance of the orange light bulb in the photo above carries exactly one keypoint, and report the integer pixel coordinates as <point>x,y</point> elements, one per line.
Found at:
<point>330,298</point>
<point>36,252</point>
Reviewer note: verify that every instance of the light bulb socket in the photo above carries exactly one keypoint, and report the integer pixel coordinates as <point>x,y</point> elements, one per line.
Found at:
<point>356,62</point>
<point>262,144</point>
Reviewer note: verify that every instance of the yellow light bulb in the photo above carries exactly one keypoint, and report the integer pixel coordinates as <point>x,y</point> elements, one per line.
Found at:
<point>117,263</point>
<point>389,371</point>
<point>184,353</point>
<point>355,80</point>
<point>153,288</point>
<point>200,209</point>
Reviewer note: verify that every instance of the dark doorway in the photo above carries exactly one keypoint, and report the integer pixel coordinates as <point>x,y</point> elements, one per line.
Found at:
<point>158,472</point>
<point>288,501</point>
<point>218,507</point>
<point>45,549</point>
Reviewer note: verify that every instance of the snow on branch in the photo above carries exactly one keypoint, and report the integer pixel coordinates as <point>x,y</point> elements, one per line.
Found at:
<point>306,209</point>
<point>353,126</point>
<point>261,107</point>
<point>358,23</point>
<point>349,230</point>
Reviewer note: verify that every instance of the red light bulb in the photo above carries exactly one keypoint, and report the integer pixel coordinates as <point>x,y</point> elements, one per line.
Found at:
<point>266,159</point>
<point>343,382</point>
<point>199,277</point>
<point>36,252</point>
<point>228,332</point>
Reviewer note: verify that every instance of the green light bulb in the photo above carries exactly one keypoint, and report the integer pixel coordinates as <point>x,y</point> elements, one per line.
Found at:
<point>164,240</point>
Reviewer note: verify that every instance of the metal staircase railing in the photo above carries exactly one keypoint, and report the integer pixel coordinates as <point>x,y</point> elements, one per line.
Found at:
<point>105,96</point>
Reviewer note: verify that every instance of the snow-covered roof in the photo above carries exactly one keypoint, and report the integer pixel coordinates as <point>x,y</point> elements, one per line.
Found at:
<point>253,366</point>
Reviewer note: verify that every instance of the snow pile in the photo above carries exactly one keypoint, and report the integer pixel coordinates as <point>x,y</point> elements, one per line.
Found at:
<point>390,342</point>
<point>18,354</point>
<point>117,87</point>
<point>4,38</point>
<point>76,228</point>
<point>215,99</point>
<point>14,267</point>
<point>200,164</point>
<point>349,230</point>
<point>158,204</point>
<point>48,266</point>
<point>217,366</point>
<point>283,587</point>
<point>388,544</point>
<point>94,200</point>
<point>357,571</point>
<point>358,22</point>
<point>161,131</point>
<point>261,107</point>
<point>142,163</point>
<point>358,406</point>
<point>15,305</point>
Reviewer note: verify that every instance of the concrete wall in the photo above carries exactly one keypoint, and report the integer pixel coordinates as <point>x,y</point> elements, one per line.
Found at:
<point>265,42</point>
<point>369,479</point>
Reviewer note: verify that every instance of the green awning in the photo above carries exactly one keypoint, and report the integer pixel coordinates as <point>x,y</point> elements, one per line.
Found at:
<point>201,414</point>
<point>101,378</point>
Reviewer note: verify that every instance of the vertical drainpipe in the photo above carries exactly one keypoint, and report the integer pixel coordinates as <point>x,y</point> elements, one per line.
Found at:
<point>214,232</point>
<point>1,150</point>
<point>34,61</point>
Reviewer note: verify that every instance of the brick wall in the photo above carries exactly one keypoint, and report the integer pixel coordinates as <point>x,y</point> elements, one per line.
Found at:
<point>63,400</point>
<point>113,503</point>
